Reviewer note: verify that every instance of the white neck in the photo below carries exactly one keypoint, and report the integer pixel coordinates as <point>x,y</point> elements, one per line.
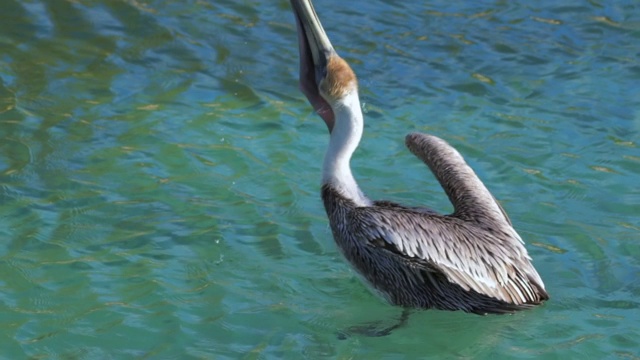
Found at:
<point>345,137</point>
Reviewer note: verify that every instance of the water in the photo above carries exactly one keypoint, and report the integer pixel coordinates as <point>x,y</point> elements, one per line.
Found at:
<point>159,174</point>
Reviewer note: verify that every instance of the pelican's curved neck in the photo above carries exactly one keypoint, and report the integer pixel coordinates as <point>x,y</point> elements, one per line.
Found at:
<point>345,137</point>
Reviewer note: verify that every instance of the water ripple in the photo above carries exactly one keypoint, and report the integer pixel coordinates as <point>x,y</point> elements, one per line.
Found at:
<point>159,174</point>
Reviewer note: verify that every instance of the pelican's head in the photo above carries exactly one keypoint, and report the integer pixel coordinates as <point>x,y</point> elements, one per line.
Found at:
<point>325,78</point>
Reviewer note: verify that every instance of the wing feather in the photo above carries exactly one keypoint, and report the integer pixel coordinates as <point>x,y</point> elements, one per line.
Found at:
<point>468,256</point>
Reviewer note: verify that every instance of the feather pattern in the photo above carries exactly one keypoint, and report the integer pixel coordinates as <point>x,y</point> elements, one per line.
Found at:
<point>471,260</point>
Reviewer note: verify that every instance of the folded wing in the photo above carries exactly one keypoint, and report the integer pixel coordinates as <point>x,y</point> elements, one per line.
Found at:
<point>468,256</point>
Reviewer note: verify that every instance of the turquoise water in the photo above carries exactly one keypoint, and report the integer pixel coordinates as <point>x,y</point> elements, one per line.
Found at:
<point>160,171</point>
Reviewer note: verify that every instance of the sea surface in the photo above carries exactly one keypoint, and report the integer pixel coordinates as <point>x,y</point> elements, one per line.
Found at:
<point>160,174</point>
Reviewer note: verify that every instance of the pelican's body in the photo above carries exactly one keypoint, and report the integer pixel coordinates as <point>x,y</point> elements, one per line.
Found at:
<point>472,260</point>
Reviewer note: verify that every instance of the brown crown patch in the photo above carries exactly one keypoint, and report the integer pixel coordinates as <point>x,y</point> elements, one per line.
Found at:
<point>340,78</point>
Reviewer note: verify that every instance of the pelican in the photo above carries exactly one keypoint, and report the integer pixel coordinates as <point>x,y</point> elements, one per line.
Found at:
<point>471,260</point>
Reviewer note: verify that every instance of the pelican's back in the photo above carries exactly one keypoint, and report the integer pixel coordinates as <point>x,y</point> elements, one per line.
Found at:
<point>472,260</point>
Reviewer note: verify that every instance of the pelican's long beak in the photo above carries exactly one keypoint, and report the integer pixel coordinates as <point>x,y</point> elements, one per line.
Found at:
<point>315,52</point>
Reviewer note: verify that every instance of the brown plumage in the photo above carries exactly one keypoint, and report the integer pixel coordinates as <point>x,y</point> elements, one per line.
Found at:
<point>340,78</point>
<point>471,260</point>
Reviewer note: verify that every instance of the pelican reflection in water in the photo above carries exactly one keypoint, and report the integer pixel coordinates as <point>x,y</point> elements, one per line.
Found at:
<point>471,260</point>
